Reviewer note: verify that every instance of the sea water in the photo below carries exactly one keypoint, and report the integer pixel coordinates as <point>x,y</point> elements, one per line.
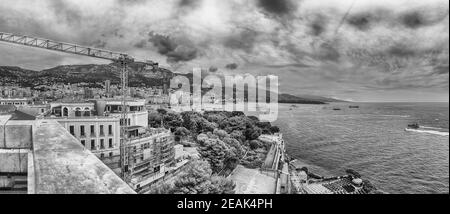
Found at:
<point>373,140</point>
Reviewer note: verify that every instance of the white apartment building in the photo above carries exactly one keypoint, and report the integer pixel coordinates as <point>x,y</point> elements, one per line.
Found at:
<point>99,134</point>
<point>137,115</point>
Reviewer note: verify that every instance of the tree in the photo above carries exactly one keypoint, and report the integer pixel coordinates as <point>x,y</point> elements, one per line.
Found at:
<point>252,160</point>
<point>195,179</point>
<point>220,133</point>
<point>215,117</point>
<point>154,120</point>
<point>239,149</point>
<point>207,126</point>
<point>188,116</point>
<point>164,188</point>
<point>182,132</point>
<point>254,118</point>
<point>236,134</point>
<point>274,129</point>
<point>221,185</point>
<point>255,144</point>
<point>252,132</point>
<point>172,121</point>
<point>162,111</point>
<point>201,138</point>
<point>215,152</point>
<point>232,124</point>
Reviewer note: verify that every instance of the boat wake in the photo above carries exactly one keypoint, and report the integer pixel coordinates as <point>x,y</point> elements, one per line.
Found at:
<point>428,127</point>
<point>428,131</point>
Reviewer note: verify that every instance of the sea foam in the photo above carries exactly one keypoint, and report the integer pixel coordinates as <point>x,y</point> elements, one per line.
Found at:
<point>428,132</point>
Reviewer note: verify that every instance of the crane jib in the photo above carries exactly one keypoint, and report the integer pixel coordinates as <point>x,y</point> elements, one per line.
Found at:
<point>121,58</point>
<point>64,47</point>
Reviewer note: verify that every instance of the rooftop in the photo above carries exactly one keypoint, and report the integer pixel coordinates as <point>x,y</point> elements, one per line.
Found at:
<point>18,115</point>
<point>54,161</point>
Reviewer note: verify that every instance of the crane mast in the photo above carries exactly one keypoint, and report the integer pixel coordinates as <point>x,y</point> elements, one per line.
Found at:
<point>121,58</point>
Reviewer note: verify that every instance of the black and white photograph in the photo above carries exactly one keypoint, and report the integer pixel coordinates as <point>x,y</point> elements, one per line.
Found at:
<point>224,97</point>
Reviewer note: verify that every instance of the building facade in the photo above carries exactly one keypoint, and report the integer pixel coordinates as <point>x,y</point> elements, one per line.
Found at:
<point>97,125</point>
<point>151,155</point>
<point>137,115</point>
<point>99,134</point>
<point>18,102</point>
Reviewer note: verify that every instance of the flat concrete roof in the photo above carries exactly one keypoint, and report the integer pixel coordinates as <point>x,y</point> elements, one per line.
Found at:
<point>63,166</point>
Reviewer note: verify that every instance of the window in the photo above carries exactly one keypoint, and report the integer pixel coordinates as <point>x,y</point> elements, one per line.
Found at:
<point>78,112</point>
<point>72,130</point>
<point>87,112</point>
<point>92,130</point>
<point>102,133</point>
<point>93,145</point>
<point>111,143</point>
<point>82,131</point>
<point>102,144</point>
<point>110,130</point>
<point>83,142</point>
<point>111,154</point>
<point>65,112</point>
<point>102,155</point>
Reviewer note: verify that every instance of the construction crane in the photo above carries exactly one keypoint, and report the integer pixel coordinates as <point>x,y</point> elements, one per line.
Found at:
<point>120,58</point>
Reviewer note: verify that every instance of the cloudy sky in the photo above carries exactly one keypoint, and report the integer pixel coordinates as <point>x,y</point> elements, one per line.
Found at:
<point>362,50</point>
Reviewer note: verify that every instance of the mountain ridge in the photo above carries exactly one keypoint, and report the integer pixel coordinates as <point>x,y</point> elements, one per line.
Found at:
<point>139,75</point>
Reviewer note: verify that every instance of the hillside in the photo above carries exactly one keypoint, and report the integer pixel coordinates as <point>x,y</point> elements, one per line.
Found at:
<point>305,99</point>
<point>138,75</point>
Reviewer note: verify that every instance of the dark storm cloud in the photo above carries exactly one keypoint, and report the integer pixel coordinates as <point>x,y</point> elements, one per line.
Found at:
<point>132,2</point>
<point>66,13</point>
<point>421,18</point>
<point>403,51</point>
<point>99,44</point>
<point>441,69</point>
<point>318,25</point>
<point>414,19</point>
<point>328,52</point>
<point>278,7</point>
<point>173,49</point>
<point>189,3</point>
<point>397,57</point>
<point>366,19</point>
<point>361,21</point>
<point>244,40</point>
<point>232,66</point>
<point>141,44</point>
<point>213,69</point>
<point>296,65</point>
